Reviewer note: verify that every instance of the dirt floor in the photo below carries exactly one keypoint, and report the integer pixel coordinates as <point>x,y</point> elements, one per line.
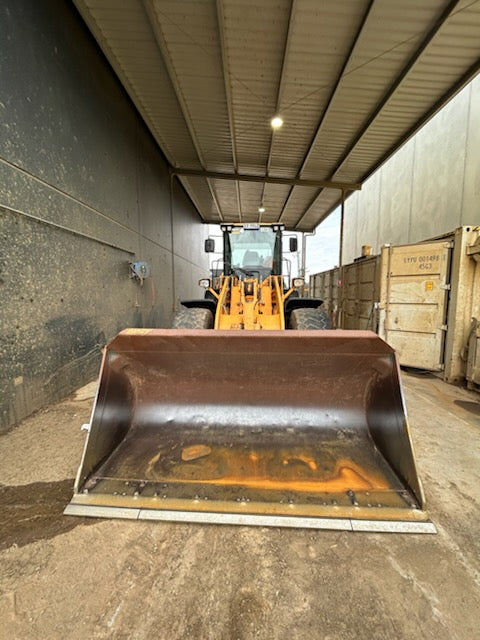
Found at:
<point>66,577</point>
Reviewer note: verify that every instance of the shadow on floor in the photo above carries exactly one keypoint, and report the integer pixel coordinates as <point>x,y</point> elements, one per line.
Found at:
<point>418,373</point>
<point>34,512</point>
<point>469,405</point>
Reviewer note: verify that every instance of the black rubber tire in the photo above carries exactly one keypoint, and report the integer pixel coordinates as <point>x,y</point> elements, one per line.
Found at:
<point>193,318</point>
<point>309,319</point>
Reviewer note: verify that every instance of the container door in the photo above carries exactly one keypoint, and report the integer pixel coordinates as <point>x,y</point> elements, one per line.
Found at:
<point>359,289</point>
<point>414,298</point>
<point>473,361</point>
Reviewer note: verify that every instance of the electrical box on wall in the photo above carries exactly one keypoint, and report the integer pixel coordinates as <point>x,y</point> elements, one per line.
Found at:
<point>139,270</point>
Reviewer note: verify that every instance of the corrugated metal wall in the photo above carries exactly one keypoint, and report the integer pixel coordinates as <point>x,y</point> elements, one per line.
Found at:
<point>83,191</point>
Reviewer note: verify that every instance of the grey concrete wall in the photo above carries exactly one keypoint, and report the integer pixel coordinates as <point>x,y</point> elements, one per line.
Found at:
<point>83,190</point>
<point>429,187</point>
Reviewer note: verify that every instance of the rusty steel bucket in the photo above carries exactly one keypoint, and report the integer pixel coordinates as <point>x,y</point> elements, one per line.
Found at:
<point>291,428</point>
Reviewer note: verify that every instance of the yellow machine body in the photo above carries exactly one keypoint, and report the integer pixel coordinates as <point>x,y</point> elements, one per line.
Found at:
<point>251,304</point>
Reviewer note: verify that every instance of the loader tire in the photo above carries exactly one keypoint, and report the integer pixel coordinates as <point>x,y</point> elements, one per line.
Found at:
<point>309,319</point>
<point>193,319</point>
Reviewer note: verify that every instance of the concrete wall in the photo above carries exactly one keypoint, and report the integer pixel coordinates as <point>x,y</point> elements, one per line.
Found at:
<point>429,187</point>
<point>83,190</point>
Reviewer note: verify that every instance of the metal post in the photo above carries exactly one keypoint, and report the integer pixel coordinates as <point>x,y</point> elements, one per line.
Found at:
<point>342,220</point>
<point>304,260</point>
<point>304,254</point>
<point>172,232</point>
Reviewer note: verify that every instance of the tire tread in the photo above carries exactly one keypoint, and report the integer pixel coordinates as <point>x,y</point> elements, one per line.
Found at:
<point>309,320</point>
<point>193,318</point>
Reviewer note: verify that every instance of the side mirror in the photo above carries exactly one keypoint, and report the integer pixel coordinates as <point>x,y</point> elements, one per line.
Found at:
<point>293,244</point>
<point>209,245</point>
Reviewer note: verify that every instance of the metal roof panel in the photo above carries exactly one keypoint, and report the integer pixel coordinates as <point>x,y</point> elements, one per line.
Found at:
<point>353,79</point>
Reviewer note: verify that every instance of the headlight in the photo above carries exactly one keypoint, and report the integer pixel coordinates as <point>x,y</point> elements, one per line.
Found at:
<point>298,282</point>
<point>204,282</point>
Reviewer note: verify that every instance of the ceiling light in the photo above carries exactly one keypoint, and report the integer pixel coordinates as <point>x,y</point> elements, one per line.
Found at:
<point>276,122</point>
<point>261,209</point>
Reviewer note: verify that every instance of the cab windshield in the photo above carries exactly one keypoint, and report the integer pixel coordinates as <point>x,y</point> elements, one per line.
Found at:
<point>252,248</point>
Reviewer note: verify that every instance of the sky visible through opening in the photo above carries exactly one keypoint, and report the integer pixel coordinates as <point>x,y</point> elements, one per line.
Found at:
<point>323,247</point>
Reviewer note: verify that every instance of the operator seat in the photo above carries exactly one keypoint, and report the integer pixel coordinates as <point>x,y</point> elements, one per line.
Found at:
<point>251,259</point>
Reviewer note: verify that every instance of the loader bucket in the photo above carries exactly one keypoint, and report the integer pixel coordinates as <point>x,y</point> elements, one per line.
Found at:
<point>283,428</point>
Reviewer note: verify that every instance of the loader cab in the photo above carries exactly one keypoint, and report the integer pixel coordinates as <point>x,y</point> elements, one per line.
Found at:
<point>252,250</point>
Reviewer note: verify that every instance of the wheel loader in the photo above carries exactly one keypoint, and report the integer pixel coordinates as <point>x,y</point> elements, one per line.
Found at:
<point>250,292</point>
<point>251,410</point>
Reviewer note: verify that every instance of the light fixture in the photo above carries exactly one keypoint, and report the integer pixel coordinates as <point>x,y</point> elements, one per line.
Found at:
<point>261,209</point>
<point>276,122</point>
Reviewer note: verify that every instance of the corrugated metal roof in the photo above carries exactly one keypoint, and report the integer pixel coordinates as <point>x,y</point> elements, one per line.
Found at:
<point>352,79</point>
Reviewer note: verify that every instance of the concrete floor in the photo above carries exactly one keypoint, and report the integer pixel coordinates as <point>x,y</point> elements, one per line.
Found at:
<point>75,578</point>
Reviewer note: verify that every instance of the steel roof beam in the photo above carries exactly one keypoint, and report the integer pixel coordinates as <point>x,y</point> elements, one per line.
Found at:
<point>163,49</point>
<point>398,81</point>
<point>320,184</point>
<point>458,86</point>
<point>329,104</point>
<point>391,91</point>
<point>280,89</point>
<point>228,94</point>
<point>464,80</point>
<point>337,85</point>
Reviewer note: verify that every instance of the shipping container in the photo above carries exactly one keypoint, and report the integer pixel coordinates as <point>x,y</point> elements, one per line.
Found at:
<point>325,286</point>
<point>423,299</point>
<point>360,291</point>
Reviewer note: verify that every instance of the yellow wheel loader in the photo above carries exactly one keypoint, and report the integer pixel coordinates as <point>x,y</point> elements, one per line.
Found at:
<point>250,292</point>
<point>251,410</point>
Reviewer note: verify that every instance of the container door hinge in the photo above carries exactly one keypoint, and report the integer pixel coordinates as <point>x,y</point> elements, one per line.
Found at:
<point>444,327</point>
<point>446,287</point>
